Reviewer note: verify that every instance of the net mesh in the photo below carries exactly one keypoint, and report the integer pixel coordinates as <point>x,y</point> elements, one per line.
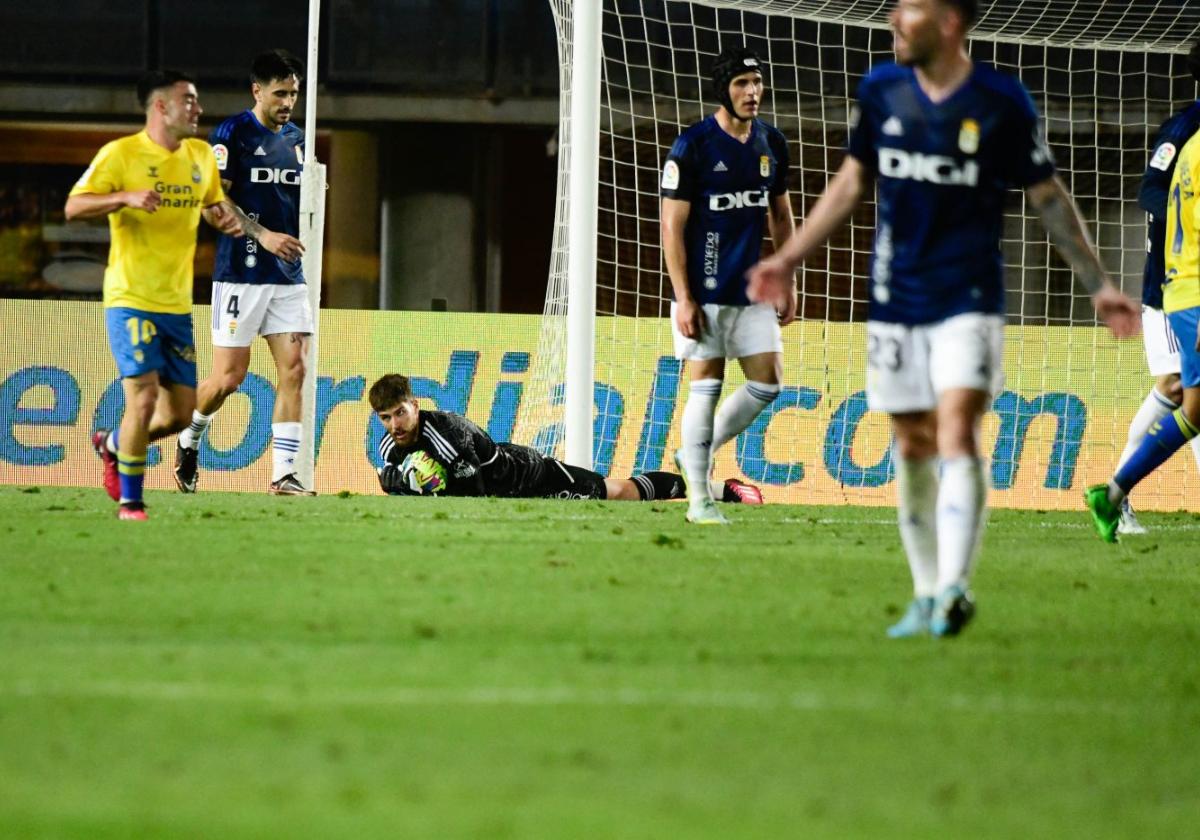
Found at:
<point>1104,76</point>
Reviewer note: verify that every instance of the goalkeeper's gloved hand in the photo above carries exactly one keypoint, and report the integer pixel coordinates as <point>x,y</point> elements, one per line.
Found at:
<point>393,481</point>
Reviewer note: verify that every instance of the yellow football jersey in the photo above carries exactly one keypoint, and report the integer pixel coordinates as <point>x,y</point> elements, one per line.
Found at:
<point>150,258</point>
<point>1181,284</point>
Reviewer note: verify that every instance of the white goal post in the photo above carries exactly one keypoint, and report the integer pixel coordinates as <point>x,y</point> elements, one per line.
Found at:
<point>312,234</point>
<point>1104,75</point>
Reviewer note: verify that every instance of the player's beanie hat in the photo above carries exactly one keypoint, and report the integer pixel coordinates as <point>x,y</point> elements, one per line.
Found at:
<point>728,65</point>
<point>1193,61</point>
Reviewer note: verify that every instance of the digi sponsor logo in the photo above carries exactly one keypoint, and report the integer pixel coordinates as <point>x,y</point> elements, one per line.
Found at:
<point>737,200</point>
<point>264,175</point>
<point>932,169</point>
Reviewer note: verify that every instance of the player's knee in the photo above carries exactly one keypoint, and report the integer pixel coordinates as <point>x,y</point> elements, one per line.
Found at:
<point>229,381</point>
<point>1172,389</point>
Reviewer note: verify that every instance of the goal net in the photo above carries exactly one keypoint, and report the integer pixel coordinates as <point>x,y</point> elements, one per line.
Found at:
<point>1104,76</point>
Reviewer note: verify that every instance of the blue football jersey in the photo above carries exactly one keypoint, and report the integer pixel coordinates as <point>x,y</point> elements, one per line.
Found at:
<point>729,185</point>
<point>263,167</point>
<point>1152,197</point>
<point>942,171</point>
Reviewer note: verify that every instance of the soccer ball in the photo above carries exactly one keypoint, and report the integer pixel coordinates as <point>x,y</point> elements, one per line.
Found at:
<point>423,474</point>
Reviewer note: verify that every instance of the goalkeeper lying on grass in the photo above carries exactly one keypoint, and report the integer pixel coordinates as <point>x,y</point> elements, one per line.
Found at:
<point>434,452</point>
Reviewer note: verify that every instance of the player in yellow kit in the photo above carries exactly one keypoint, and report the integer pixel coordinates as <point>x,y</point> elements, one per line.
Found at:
<point>1181,303</point>
<point>152,186</point>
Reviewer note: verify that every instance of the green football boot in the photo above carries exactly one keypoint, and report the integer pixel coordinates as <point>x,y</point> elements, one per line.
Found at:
<point>1105,514</point>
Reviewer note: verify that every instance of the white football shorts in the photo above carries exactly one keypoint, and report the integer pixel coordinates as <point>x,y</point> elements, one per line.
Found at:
<point>909,366</point>
<point>1162,346</point>
<point>731,332</point>
<point>243,311</point>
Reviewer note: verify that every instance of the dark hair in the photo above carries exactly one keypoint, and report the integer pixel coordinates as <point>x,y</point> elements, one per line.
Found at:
<point>275,64</point>
<point>157,80</point>
<point>969,9</point>
<point>389,391</point>
<point>1193,61</point>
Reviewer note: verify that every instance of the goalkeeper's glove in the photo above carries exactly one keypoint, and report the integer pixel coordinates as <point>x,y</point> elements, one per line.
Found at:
<point>393,482</point>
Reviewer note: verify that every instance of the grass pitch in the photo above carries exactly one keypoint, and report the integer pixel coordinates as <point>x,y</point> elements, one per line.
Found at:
<point>247,666</point>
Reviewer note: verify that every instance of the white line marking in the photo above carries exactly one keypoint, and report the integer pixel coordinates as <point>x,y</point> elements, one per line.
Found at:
<point>556,696</point>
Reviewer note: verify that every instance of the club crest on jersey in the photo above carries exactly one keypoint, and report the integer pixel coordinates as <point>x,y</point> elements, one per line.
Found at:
<point>764,166</point>
<point>670,179</point>
<point>892,127</point>
<point>196,173</point>
<point>221,153</point>
<point>1163,156</point>
<point>968,137</point>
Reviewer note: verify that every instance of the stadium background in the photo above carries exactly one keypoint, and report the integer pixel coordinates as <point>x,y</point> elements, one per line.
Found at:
<point>441,141</point>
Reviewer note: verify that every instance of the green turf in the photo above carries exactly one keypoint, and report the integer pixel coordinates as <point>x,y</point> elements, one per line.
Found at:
<point>247,666</point>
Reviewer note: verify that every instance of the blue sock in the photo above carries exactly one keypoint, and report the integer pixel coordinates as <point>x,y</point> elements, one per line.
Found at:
<point>1160,443</point>
<point>132,472</point>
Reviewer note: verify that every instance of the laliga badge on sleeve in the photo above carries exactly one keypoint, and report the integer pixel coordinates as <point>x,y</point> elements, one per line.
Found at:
<point>299,156</point>
<point>968,137</point>
<point>764,166</point>
<point>1163,156</point>
<point>221,153</point>
<point>670,179</point>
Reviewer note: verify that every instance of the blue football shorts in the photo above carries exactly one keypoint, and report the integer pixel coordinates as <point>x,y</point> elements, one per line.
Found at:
<point>142,342</point>
<point>1184,324</point>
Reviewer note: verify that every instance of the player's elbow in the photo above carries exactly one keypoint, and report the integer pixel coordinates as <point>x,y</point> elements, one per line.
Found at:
<point>73,209</point>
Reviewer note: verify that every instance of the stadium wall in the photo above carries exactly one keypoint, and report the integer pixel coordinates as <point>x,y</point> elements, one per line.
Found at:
<point>816,444</point>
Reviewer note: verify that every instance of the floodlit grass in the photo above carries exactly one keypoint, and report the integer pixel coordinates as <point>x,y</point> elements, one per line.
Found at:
<point>247,666</point>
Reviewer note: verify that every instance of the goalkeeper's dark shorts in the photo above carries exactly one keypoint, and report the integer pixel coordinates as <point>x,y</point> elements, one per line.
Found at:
<point>563,481</point>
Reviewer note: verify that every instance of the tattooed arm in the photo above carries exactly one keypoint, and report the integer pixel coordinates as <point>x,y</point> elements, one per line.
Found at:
<point>282,245</point>
<point>1060,217</point>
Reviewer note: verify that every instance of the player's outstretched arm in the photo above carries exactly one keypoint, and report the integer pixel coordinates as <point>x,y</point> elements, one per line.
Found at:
<point>1067,232</point>
<point>94,205</point>
<point>774,278</point>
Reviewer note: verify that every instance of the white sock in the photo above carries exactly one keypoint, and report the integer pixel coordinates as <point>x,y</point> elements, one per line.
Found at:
<point>916,508</point>
<point>695,451</point>
<point>285,445</point>
<point>739,410</point>
<point>1154,408</point>
<point>190,437</point>
<point>962,498</point>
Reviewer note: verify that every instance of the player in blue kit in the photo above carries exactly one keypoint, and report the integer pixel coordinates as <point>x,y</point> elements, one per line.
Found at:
<point>724,181</point>
<point>1162,347</point>
<point>258,285</point>
<point>943,138</point>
